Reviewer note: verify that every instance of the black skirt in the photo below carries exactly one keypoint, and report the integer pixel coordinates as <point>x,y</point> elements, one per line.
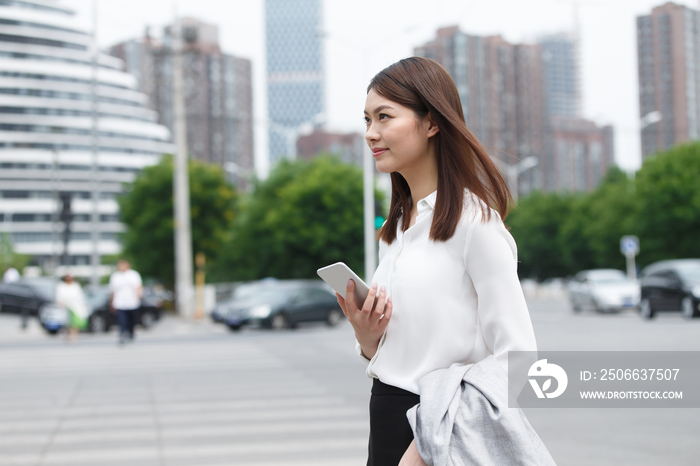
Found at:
<point>390,433</point>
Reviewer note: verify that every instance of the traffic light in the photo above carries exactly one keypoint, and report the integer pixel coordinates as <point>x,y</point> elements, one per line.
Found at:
<point>379,217</point>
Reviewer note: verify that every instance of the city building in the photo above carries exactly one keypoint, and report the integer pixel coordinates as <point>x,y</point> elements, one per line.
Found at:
<point>500,86</point>
<point>668,47</point>
<point>518,100</point>
<point>295,71</point>
<point>347,147</point>
<point>46,128</point>
<point>583,152</point>
<point>218,94</point>
<point>561,75</point>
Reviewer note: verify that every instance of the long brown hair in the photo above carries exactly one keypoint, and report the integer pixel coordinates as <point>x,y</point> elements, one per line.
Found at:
<point>425,87</point>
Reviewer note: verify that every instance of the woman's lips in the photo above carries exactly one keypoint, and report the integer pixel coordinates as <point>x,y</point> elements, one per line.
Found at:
<point>378,152</point>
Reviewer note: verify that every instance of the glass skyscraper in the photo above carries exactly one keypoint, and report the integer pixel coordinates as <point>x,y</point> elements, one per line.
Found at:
<point>295,71</point>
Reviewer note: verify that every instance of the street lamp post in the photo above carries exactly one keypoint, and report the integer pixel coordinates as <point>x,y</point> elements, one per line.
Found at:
<point>514,171</point>
<point>181,187</point>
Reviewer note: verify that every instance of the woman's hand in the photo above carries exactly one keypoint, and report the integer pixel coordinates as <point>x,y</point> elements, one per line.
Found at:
<point>411,457</point>
<point>368,322</point>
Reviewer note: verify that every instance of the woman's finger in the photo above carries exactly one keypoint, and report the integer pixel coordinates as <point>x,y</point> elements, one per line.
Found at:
<point>350,296</point>
<point>369,301</point>
<point>381,299</point>
<point>387,314</point>
<point>341,303</point>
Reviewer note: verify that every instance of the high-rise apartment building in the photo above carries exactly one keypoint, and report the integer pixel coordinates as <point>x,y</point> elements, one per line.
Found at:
<point>668,47</point>
<point>295,70</point>
<point>46,143</point>
<point>500,86</point>
<point>217,88</point>
<point>521,101</point>
<point>348,147</point>
<point>561,75</point>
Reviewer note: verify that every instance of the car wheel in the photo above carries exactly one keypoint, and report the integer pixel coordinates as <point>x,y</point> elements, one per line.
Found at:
<point>279,322</point>
<point>645,309</point>
<point>687,308</point>
<point>233,328</point>
<point>98,324</point>
<point>333,317</point>
<point>147,319</point>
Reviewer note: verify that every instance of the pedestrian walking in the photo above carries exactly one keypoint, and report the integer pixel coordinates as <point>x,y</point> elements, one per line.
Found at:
<point>126,289</point>
<point>446,287</point>
<point>69,295</point>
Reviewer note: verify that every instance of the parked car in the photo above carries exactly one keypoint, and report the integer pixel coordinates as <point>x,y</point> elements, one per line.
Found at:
<point>671,285</point>
<point>240,292</point>
<point>101,319</point>
<point>37,297</point>
<point>603,290</point>
<point>27,294</point>
<point>281,304</point>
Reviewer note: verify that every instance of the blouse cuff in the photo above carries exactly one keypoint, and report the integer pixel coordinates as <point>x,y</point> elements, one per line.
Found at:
<point>358,349</point>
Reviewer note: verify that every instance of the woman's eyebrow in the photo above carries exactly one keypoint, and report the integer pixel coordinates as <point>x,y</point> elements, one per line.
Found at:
<point>380,108</point>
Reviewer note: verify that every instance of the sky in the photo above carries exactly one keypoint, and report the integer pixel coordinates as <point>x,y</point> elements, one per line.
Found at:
<point>363,36</point>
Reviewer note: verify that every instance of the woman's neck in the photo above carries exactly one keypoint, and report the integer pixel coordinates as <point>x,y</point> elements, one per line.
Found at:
<point>422,179</point>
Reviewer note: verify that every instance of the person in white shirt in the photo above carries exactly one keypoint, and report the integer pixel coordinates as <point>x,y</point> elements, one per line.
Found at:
<point>11,275</point>
<point>69,295</point>
<point>446,287</point>
<point>126,289</point>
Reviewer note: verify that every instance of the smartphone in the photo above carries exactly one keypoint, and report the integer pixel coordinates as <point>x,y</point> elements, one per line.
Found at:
<point>337,276</point>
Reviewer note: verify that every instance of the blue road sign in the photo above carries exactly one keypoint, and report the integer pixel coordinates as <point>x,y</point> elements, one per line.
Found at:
<point>629,245</point>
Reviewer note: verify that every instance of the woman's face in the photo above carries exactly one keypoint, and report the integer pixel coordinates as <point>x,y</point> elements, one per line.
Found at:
<point>398,138</point>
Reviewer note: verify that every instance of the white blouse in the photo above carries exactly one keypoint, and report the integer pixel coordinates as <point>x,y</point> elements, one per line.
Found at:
<point>456,301</point>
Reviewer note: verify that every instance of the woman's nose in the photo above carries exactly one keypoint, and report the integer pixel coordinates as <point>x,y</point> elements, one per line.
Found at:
<point>371,134</point>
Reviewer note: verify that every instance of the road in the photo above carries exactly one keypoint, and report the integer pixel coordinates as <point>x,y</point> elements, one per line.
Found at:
<point>193,393</point>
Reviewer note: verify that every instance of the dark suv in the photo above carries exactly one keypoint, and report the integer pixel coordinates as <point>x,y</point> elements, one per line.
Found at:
<point>671,285</point>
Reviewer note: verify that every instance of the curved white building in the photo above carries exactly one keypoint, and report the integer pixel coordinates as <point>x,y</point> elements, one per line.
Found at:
<point>46,132</point>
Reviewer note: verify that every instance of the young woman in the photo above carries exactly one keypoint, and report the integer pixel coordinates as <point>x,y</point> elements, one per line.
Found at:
<point>70,295</point>
<point>446,288</point>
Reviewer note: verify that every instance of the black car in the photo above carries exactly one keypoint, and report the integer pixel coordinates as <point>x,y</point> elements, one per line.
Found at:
<point>281,304</point>
<point>671,285</point>
<point>101,319</point>
<point>28,295</point>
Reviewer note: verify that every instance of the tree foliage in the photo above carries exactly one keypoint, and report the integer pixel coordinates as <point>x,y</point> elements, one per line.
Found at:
<point>561,234</point>
<point>305,215</point>
<point>8,256</point>
<point>147,211</point>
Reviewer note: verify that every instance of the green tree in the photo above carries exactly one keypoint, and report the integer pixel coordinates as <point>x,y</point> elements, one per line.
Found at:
<point>668,209</point>
<point>303,216</point>
<point>611,215</point>
<point>536,224</point>
<point>8,256</point>
<point>147,211</point>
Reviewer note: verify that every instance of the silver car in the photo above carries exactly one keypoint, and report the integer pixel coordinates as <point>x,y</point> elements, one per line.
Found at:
<point>603,290</point>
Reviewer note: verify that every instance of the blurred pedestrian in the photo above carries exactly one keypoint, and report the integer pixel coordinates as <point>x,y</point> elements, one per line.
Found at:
<point>447,264</point>
<point>11,275</point>
<point>126,289</point>
<point>69,295</point>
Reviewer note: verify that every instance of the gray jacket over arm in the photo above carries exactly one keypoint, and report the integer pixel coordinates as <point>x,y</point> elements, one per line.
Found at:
<point>463,419</point>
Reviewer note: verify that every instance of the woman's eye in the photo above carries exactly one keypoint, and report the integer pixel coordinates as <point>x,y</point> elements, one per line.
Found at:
<point>366,119</point>
<point>383,116</point>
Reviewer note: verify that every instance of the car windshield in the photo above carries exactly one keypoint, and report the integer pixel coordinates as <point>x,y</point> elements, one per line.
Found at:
<point>690,272</point>
<point>266,293</point>
<point>45,288</point>
<point>608,278</point>
<point>96,298</point>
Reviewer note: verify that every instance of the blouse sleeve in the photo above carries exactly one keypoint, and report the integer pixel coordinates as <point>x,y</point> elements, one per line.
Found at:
<point>490,257</point>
